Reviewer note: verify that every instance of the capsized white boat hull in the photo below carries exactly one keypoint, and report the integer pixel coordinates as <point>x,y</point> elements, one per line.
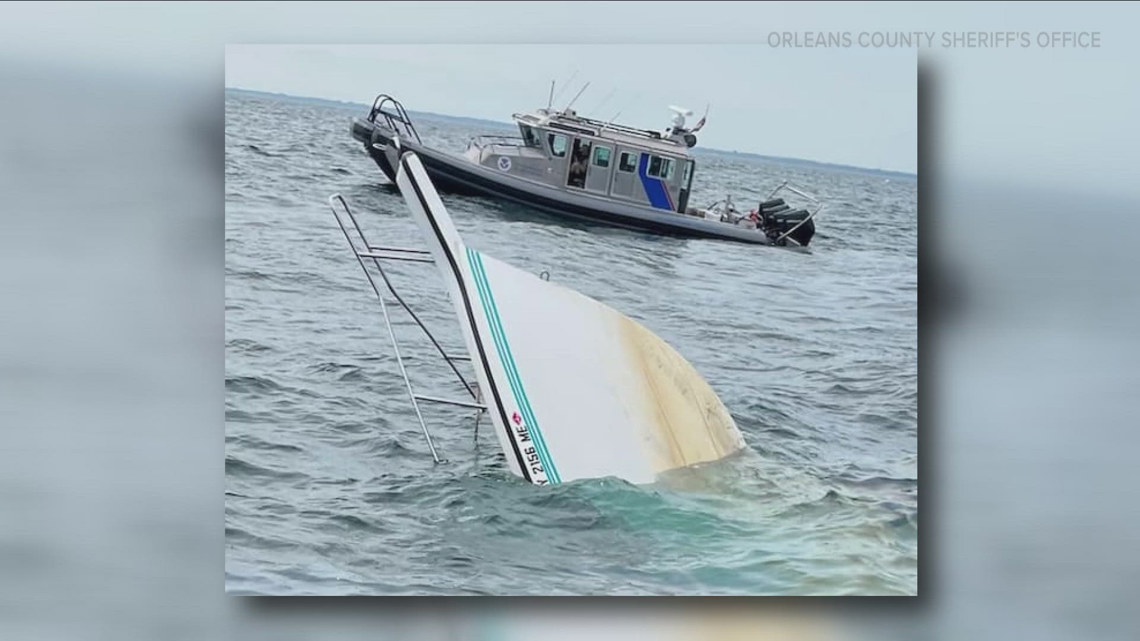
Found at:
<point>574,388</point>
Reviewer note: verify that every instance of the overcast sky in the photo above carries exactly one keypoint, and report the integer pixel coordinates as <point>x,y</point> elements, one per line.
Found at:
<point>1054,117</point>
<point>850,107</point>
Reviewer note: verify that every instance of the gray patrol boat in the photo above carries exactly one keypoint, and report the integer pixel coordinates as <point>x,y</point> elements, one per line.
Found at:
<point>568,165</point>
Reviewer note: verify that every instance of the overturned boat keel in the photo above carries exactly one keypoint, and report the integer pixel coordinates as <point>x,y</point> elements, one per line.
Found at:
<point>608,398</point>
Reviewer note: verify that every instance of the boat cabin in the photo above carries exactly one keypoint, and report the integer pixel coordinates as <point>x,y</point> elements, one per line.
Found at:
<point>564,150</point>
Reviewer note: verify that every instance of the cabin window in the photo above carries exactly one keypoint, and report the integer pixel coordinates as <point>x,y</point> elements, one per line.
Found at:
<point>529,137</point>
<point>557,144</point>
<point>688,173</point>
<point>660,167</point>
<point>626,162</point>
<point>654,166</point>
<point>602,156</point>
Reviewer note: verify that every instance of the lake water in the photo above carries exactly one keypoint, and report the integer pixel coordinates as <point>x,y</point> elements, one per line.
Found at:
<point>330,488</point>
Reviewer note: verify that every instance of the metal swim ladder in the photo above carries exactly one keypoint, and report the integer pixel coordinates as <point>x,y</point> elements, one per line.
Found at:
<point>363,250</point>
<point>396,118</point>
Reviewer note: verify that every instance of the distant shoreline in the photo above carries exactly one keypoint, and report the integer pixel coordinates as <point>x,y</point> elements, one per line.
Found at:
<point>699,151</point>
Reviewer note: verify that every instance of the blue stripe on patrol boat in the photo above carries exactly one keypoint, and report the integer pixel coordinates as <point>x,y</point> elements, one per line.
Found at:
<point>654,187</point>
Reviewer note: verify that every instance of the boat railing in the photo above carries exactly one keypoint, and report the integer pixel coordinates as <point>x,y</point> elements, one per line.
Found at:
<point>601,126</point>
<point>368,254</point>
<point>729,213</point>
<point>395,116</point>
<point>489,140</point>
<point>814,207</point>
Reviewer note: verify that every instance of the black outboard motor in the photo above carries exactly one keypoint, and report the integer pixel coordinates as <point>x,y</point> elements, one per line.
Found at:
<point>777,219</point>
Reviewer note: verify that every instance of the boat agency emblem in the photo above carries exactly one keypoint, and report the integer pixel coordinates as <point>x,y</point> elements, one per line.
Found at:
<point>504,163</point>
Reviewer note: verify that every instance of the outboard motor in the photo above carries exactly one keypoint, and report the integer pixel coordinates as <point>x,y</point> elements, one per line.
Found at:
<point>778,219</point>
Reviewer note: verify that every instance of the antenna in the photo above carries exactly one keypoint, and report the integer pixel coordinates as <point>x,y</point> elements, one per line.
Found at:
<point>550,101</point>
<point>628,103</point>
<point>576,96</point>
<point>610,121</point>
<point>559,94</point>
<point>604,100</point>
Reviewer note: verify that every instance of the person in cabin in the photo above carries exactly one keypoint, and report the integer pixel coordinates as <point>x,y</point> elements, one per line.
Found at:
<point>579,163</point>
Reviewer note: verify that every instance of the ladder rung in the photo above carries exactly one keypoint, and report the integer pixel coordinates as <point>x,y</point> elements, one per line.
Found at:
<point>405,250</point>
<point>389,255</point>
<point>446,401</point>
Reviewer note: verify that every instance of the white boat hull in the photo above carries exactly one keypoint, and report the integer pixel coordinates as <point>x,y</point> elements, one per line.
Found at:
<point>574,388</point>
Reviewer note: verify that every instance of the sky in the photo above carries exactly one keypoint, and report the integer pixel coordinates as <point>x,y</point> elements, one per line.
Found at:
<point>1058,117</point>
<point>826,106</point>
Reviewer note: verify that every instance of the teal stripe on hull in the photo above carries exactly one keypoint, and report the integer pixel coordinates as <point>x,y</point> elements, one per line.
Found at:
<point>504,350</point>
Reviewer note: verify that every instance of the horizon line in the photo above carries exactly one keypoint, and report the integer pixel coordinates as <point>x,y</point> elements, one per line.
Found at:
<point>824,163</point>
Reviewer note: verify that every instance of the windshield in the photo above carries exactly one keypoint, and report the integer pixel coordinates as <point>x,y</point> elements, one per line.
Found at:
<point>530,139</point>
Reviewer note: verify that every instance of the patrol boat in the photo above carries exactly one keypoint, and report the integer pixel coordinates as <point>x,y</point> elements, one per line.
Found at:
<point>569,165</point>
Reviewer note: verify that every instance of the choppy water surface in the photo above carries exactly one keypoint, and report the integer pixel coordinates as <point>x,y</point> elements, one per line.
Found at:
<point>329,486</point>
